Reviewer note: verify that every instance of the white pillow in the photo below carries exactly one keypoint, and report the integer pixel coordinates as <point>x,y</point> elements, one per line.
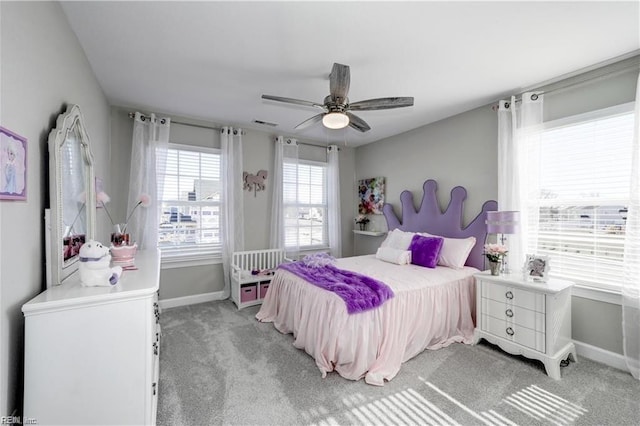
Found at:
<point>389,239</point>
<point>398,239</point>
<point>455,251</point>
<point>391,255</point>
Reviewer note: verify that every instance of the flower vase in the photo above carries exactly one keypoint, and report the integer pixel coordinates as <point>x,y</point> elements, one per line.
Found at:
<point>363,226</point>
<point>495,267</point>
<point>119,238</point>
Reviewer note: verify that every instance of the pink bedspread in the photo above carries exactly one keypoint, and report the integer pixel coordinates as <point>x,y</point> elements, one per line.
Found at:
<point>432,308</point>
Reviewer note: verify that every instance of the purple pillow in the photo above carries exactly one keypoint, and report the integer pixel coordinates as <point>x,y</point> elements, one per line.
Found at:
<point>425,250</point>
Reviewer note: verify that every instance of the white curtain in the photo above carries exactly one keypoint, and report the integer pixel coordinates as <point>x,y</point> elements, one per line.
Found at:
<point>232,214</point>
<point>148,158</point>
<point>333,201</point>
<point>631,282</point>
<point>286,152</point>
<point>518,125</point>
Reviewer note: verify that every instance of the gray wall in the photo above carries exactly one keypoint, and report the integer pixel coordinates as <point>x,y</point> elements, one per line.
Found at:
<point>258,153</point>
<point>43,68</point>
<point>462,150</point>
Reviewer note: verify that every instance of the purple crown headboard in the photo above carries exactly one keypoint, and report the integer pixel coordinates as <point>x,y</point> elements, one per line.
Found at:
<point>430,219</point>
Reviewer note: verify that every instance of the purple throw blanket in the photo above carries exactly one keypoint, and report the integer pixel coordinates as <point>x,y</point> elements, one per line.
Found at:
<point>359,292</point>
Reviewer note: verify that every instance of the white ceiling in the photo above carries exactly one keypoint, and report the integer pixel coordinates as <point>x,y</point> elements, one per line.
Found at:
<point>213,60</point>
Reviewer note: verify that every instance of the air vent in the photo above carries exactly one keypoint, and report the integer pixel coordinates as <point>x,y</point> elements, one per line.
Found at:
<point>265,123</point>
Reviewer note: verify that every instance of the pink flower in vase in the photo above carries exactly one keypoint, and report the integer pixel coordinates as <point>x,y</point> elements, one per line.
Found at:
<point>103,198</point>
<point>120,236</point>
<point>144,200</point>
<point>495,252</point>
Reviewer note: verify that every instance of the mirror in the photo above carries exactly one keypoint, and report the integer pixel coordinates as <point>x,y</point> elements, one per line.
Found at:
<point>71,218</point>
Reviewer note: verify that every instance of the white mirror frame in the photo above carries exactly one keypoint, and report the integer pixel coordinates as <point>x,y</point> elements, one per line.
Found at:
<point>58,268</point>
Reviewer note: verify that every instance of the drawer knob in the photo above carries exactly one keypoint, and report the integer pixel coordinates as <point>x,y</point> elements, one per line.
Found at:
<point>510,331</point>
<point>508,313</point>
<point>509,295</point>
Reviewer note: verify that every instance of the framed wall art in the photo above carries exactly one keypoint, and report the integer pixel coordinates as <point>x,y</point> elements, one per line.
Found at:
<point>13,166</point>
<point>371,195</point>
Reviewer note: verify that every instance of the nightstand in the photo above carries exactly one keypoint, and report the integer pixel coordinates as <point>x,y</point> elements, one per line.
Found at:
<point>526,318</point>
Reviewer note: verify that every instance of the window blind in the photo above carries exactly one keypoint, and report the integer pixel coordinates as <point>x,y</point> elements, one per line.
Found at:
<point>305,204</point>
<point>582,187</point>
<point>190,202</point>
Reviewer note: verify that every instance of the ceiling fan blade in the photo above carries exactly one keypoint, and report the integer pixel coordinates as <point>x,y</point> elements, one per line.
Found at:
<point>309,122</point>
<point>358,123</point>
<point>339,82</point>
<point>293,101</point>
<point>381,103</point>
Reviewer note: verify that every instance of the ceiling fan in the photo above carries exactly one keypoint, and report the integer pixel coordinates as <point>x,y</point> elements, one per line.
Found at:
<point>336,109</point>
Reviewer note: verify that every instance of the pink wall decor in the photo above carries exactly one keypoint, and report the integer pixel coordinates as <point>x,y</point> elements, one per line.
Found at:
<point>255,182</point>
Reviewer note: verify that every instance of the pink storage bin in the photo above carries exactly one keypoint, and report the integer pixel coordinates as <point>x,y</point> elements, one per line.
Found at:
<point>248,293</point>
<point>263,289</point>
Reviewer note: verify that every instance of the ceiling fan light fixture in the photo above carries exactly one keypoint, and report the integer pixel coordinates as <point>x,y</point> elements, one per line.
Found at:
<point>335,120</point>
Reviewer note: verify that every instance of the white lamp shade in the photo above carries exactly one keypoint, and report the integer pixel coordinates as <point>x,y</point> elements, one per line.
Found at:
<point>335,120</point>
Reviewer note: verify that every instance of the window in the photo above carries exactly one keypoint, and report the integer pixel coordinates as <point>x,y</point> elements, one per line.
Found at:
<point>581,184</point>
<point>305,204</point>
<point>190,203</point>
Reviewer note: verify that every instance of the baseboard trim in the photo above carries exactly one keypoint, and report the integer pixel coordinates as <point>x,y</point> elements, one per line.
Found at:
<point>191,300</point>
<point>600,355</point>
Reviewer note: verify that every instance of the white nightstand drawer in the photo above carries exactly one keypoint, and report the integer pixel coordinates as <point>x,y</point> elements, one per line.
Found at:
<point>526,318</point>
<point>513,332</point>
<point>515,296</point>
<point>514,314</point>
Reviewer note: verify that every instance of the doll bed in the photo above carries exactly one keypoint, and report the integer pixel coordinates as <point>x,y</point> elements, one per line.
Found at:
<point>432,308</point>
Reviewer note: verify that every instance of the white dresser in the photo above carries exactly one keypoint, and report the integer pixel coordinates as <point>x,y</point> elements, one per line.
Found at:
<point>92,354</point>
<point>526,318</point>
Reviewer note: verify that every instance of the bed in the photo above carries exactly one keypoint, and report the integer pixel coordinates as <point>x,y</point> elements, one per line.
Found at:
<point>430,308</point>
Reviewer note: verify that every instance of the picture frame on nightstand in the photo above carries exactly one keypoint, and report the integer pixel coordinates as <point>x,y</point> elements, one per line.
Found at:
<point>536,268</point>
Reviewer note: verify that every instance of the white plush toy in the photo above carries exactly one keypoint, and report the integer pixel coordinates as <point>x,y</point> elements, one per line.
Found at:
<point>94,266</point>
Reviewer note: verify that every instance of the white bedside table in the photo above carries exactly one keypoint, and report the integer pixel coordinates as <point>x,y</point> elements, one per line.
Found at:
<point>526,318</point>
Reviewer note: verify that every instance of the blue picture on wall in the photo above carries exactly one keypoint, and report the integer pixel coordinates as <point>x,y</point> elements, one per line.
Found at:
<point>13,166</point>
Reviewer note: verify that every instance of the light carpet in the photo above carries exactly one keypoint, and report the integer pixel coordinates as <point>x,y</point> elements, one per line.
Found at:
<point>219,365</point>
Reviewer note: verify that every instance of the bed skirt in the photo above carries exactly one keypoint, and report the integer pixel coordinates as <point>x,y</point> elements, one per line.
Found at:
<point>371,344</point>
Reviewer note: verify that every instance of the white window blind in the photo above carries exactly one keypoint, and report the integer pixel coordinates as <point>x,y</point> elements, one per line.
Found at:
<point>305,204</point>
<point>582,184</point>
<point>190,202</point>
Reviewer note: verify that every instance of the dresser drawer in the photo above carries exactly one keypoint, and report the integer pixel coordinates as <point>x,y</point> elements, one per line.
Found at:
<point>515,333</point>
<point>514,296</point>
<point>514,314</point>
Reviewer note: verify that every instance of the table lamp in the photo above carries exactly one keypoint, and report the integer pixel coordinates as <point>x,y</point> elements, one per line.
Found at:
<point>502,223</point>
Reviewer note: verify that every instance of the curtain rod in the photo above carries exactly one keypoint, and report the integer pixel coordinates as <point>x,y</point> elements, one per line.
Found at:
<point>315,146</point>
<point>575,83</point>
<point>202,126</point>
<point>133,115</point>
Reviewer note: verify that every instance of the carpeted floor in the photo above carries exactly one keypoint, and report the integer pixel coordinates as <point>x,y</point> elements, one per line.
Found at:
<point>219,365</point>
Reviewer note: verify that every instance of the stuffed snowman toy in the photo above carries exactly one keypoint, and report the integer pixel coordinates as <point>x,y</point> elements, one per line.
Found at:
<point>94,268</point>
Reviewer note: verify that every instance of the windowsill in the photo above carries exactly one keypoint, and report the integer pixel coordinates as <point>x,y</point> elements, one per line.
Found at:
<point>171,262</point>
<point>302,252</point>
<point>602,295</point>
<point>311,250</point>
